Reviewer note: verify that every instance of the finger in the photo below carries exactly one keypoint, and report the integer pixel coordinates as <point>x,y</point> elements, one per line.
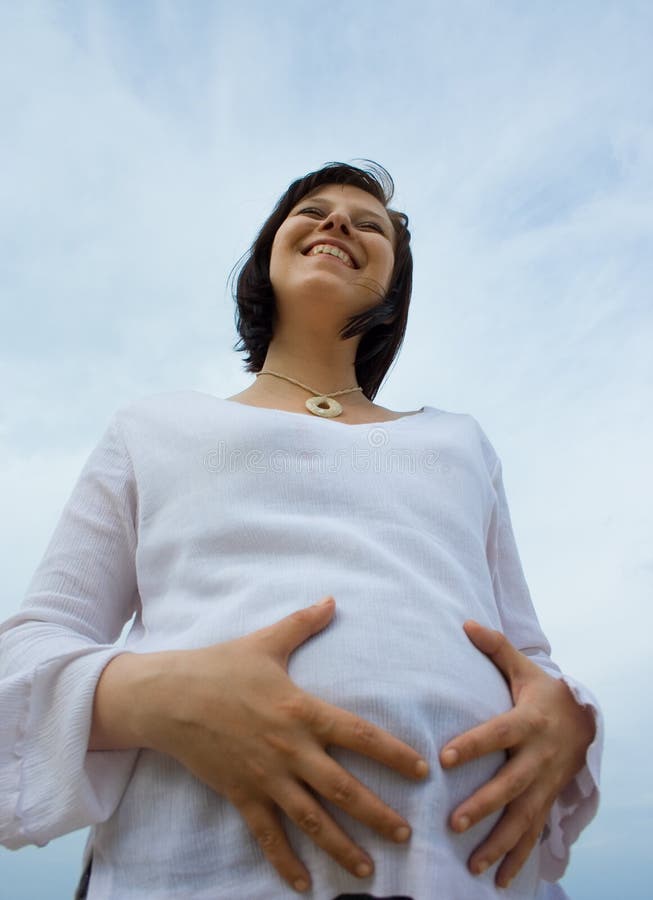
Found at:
<point>520,819</point>
<point>264,825</point>
<point>499,733</point>
<point>515,859</point>
<point>304,810</point>
<point>333,725</point>
<point>288,633</point>
<point>511,840</point>
<point>337,785</point>
<point>496,645</point>
<point>512,780</point>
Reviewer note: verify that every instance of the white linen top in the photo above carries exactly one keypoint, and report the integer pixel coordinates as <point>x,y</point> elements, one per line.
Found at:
<point>207,519</point>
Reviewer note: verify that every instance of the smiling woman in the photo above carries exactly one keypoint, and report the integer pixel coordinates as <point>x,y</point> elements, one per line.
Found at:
<point>377,313</point>
<point>419,743</point>
<point>338,235</point>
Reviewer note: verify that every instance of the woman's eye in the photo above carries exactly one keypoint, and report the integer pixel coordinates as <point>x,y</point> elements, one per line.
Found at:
<point>374,225</point>
<point>311,209</point>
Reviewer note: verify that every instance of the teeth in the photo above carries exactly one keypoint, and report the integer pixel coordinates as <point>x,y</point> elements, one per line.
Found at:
<point>333,251</point>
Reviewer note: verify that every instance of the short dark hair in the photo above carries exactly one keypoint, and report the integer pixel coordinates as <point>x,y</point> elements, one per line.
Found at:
<point>254,296</point>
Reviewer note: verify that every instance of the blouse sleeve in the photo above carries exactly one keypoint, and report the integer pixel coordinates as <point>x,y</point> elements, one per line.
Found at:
<point>53,651</point>
<point>577,804</point>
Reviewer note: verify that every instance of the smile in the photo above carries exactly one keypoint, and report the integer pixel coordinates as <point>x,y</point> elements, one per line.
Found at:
<point>330,250</point>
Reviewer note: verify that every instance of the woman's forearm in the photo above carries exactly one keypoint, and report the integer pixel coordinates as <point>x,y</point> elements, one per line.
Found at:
<point>127,697</point>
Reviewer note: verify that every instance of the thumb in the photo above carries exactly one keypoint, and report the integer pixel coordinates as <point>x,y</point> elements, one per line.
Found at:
<point>288,633</point>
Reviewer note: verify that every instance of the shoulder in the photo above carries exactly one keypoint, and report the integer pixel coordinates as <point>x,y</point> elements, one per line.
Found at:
<point>469,431</point>
<point>162,406</point>
<point>154,419</point>
<point>486,446</point>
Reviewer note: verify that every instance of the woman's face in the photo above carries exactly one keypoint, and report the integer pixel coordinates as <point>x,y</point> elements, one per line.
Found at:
<point>337,242</point>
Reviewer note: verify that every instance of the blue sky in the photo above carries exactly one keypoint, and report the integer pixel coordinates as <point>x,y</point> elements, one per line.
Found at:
<point>144,143</point>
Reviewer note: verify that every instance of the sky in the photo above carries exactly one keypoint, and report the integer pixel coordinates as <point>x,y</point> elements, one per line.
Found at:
<point>142,146</point>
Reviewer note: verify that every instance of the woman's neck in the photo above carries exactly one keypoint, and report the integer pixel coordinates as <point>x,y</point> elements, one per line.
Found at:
<point>322,374</point>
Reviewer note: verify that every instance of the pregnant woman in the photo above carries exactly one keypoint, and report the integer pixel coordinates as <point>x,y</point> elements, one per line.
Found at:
<point>334,681</point>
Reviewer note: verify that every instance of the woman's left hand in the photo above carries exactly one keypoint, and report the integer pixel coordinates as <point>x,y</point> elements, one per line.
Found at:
<point>546,735</point>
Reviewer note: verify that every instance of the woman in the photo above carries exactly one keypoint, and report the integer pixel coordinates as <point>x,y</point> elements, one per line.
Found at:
<point>199,751</point>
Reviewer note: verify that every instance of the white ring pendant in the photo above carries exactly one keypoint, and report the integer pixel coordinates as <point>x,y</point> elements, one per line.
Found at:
<point>324,406</point>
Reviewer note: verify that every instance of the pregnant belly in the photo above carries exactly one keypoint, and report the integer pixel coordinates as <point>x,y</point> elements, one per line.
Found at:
<point>424,685</point>
<point>423,676</point>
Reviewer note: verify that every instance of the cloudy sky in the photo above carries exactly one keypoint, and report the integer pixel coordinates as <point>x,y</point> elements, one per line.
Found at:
<point>144,142</point>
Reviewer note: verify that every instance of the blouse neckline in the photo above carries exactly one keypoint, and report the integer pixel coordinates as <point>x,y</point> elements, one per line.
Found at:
<point>285,412</point>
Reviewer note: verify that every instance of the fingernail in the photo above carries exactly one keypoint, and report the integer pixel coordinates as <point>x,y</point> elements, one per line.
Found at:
<point>482,866</point>
<point>402,833</point>
<point>421,768</point>
<point>506,883</point>
<point>363,869</point>
<point>451,756</point>
<point>325,601</point>
<point>301,884</point>
<point>463,823</point>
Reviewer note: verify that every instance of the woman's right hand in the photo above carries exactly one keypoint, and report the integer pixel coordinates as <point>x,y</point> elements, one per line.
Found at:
<point>232,716</point>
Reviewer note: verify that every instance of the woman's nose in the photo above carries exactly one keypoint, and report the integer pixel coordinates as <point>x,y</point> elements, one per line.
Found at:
<point>336,220</point>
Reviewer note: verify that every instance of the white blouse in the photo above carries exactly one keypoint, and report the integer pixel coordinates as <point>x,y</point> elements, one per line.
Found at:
<point>205,519</point>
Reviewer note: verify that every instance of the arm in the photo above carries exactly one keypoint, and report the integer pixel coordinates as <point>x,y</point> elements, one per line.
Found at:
<point>553,735</point>
<point>52,653</point>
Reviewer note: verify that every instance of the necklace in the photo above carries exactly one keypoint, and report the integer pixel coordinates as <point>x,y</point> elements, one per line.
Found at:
<point>319,404</point>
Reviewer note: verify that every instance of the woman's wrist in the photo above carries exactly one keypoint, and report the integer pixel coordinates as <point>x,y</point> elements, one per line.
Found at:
<point>130,699</point>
